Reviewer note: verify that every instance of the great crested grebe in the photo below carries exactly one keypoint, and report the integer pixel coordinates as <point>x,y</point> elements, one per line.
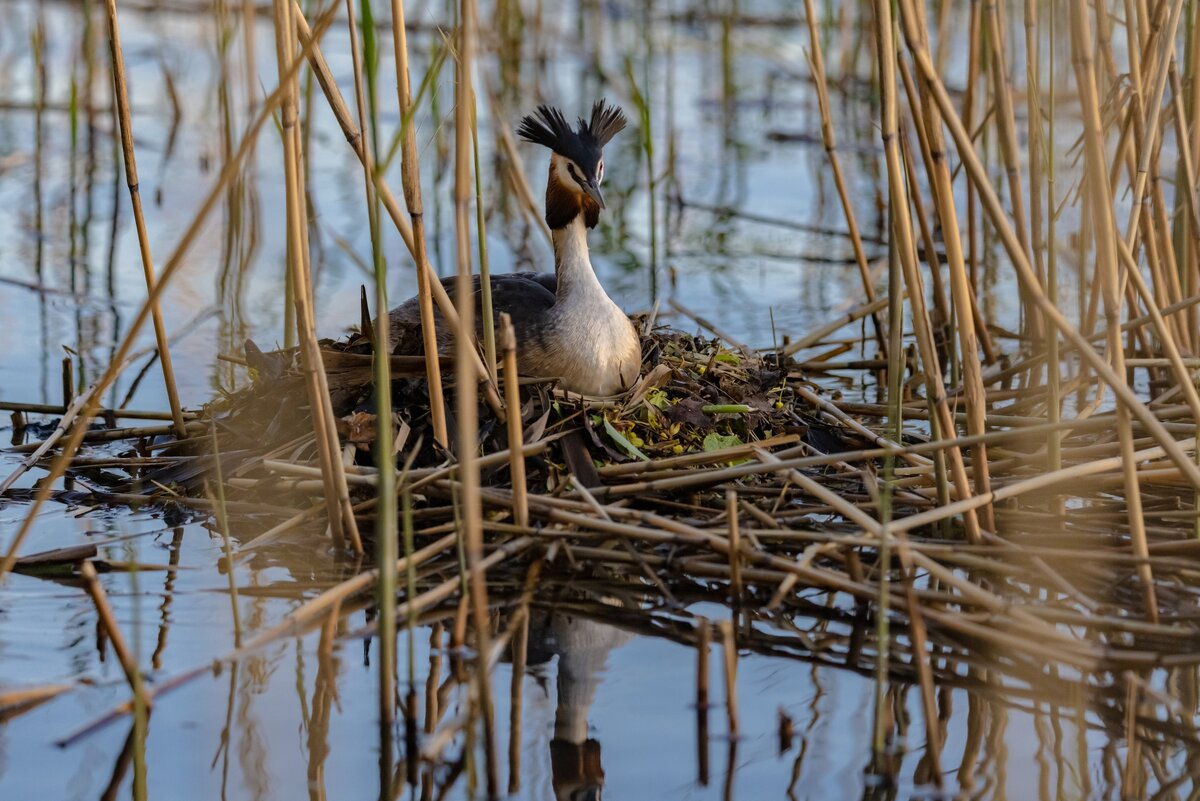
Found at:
<point>566,324</point>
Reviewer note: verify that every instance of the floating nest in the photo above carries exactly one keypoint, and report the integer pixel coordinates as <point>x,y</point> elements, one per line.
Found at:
<point>696,403</point>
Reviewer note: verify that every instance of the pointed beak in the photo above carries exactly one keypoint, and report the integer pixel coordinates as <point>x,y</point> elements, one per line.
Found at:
<point>593,191</point>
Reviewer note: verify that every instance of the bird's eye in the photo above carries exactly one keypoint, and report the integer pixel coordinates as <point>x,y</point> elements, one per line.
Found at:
<point>576,176</point>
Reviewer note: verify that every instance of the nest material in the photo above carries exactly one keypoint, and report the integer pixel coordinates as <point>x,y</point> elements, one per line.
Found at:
<point>694,396</point>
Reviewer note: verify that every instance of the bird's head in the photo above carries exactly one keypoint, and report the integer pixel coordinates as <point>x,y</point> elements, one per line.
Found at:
<point>576,160</point>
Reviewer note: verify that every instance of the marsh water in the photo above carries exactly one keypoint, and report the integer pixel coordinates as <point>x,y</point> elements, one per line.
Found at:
<point>744,231</point>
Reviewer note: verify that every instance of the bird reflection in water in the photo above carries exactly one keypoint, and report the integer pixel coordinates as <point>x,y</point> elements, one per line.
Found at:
<point>582,646</point>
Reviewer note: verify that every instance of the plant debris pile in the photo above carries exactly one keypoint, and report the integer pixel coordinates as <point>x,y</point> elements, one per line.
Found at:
<point>694,397</point>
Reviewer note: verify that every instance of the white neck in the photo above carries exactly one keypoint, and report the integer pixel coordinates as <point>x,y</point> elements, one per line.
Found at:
<point>572,263</point>
<point>596,349</point>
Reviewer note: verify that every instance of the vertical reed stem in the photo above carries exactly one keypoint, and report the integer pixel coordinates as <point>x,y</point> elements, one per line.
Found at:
<point>385,515</point>
<point>512,403</point>
<point>1053,447</point>
<point>1106,253</point>
<point>121,95</point>
<point>411,179</point>
<point>735,546</point>
<point>467,383</point>
<point>520,655</point>
<point>730,649</point>
<point>488,320</point>
<point>703,641</point>
<point>337,495</point>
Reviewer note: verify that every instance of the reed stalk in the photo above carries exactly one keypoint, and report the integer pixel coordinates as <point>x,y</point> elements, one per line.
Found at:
<point>1033,114</point>
<point>965,306</point>
<point>68,383</point>
<point>520,656</point>
<point>512,400</point>
<point>703,642</point>
<point>467,381</point>
<point>906,254</point>
<point>641,100</point>
<point>1007,127</point>
<point>365,64</point>
<point>735,547</point>
<point>507,145</point>
<point>941,309</point>
<point>121,96</point>
<point>337,497</point>
<point>108,620</point>
<point>488,320</point>
<point>1153,104</point>
<point>411,743</point>
<point>816,63</point>
<point>1053,370</point>
<point>895,420</point>
<point>1107,267</point>
<point>433,706</point>
<point>729,649</point>
<point>410,170</point>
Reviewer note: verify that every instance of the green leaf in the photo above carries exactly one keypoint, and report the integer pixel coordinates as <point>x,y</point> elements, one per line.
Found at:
<point>624,443</point>
<point>718,442</point>
<point>658,399</point>
<point>729,358</point>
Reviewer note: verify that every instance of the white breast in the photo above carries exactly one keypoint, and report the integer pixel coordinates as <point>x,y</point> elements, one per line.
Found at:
<point>598,348</point>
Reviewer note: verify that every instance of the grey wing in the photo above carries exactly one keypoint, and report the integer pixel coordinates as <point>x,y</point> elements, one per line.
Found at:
<point>525,296</point>
<point>548,280</point>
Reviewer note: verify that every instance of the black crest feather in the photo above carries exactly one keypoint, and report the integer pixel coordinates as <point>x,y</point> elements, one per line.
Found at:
<point>607,121</point>
<point>547,126</point>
